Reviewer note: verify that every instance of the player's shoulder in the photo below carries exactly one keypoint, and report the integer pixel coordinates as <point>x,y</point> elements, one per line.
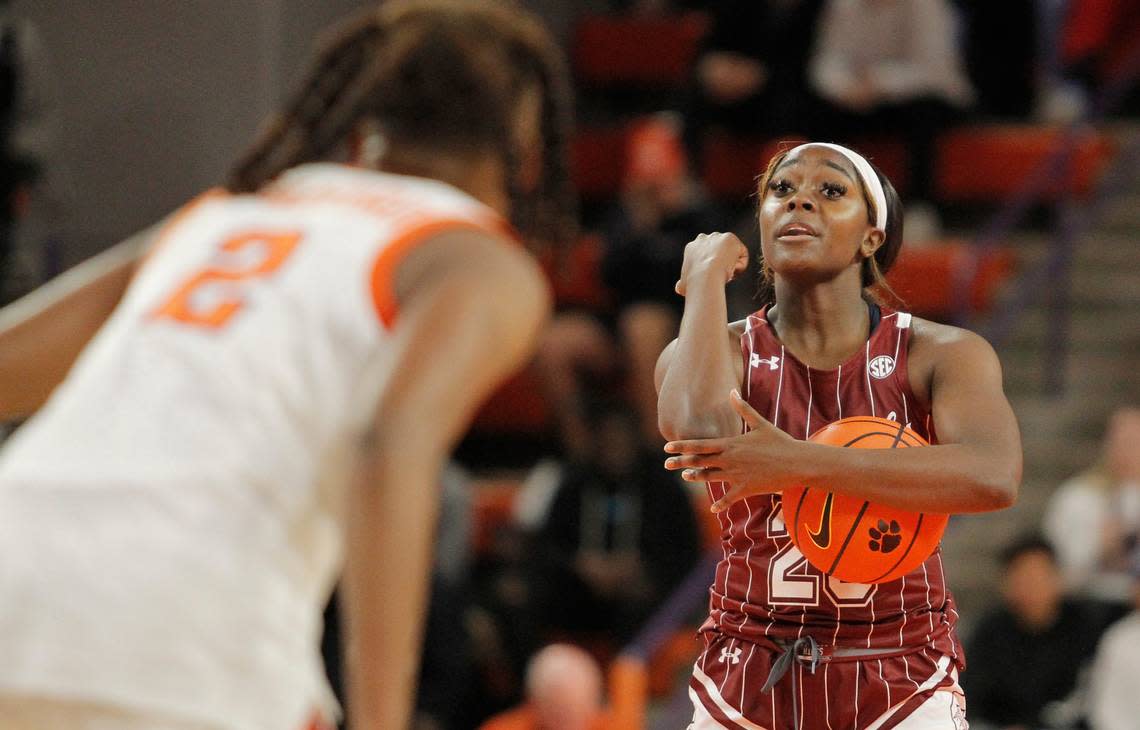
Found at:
<point>937,338</point>
<point>941,349</point>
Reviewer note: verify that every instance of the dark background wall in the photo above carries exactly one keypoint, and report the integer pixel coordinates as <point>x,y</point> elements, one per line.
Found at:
<point>157,97</point>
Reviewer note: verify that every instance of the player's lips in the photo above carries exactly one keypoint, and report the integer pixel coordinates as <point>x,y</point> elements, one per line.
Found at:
<point>796,229</point>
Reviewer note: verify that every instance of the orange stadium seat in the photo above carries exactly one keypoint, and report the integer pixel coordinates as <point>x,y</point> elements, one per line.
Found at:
<point>657,51</point>
<point>576,275</point>
<point>516,407</point>
<point>493,505</point>
<point>628,693</point>
<point>732,164</point>
<point>986,164</point>
<point>925,277</point>
<point>597,161</point>
<point>889,156</point>
<point>672,660</point>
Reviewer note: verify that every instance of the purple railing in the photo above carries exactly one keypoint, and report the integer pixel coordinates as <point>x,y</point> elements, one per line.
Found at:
<point>1053,275</point>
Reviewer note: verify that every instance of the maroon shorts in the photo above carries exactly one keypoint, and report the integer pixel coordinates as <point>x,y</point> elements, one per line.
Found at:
<point>842,694</point>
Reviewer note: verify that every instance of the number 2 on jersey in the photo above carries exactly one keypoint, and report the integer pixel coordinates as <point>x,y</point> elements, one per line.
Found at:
<point>256,254</point>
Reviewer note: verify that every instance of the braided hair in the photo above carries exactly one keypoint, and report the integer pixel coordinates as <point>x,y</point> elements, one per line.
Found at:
<point>439,75</point>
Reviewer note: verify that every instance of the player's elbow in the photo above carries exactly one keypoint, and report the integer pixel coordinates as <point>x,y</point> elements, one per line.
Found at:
<point>1001,486</point>
<point>687,422</point>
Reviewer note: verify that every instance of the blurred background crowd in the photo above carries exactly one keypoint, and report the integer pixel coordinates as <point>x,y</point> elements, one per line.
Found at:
<point>572,570</point>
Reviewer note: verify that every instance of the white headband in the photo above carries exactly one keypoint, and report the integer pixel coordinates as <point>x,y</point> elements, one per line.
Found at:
<point>870,179</point>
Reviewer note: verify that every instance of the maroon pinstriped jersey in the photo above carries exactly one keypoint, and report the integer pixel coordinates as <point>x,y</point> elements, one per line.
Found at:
<point>764,586</point>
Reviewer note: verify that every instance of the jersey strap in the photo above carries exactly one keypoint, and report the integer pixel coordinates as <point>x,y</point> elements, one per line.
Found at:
<point>387,262</point>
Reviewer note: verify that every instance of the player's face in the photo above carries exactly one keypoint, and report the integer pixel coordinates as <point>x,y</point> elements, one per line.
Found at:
<point>813,217</point>
<point>1032,587</point>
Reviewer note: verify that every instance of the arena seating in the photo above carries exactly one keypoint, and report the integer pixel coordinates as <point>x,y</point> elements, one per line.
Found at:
<point>927,278</point>
<point>977,165</point>
<point>989,163</point>
<point>597,159</point>
<point>631,681</point>
<point>650,51</point>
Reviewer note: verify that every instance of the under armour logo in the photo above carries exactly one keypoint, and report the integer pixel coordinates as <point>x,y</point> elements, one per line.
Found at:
<point>733,657</point>
<point>772,362</point>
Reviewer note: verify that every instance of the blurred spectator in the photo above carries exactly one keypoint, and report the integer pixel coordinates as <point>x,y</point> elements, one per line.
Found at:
<point>1100,38</point>
<point>662,209</point>
<point>502,622</point>
<point>563,692</point>
<point>751,74</point>
<point>30,189</point>
<point>1094,518</point>
<point>1113,696</point>
<point>1001,52</point>
<point>892,67</point>
<point>619,536</point>
<point>1025,657</point>
<point>445,685</point>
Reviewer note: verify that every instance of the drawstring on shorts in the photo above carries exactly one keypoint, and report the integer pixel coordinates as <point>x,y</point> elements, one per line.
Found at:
<point>804,649</point>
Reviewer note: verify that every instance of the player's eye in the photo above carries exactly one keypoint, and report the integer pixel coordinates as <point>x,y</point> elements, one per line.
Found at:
<point>780,187</point>
<point>833,191</point>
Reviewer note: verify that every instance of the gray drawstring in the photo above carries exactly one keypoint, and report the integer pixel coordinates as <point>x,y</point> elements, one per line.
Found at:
<point>784,662</point>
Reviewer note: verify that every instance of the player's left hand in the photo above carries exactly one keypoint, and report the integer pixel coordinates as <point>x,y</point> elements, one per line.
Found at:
<point>751,463</point>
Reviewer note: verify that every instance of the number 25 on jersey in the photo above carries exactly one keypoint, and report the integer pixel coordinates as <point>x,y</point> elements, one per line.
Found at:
<point>211,297</point>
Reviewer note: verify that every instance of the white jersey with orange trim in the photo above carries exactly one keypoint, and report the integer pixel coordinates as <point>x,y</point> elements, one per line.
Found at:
<point>170,521</point>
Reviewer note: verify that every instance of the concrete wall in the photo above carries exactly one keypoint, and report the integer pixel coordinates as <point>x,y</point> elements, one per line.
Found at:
<point>157,97</point>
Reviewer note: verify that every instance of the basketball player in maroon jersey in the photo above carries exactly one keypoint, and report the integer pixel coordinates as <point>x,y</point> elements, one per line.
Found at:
<point>785,645</point>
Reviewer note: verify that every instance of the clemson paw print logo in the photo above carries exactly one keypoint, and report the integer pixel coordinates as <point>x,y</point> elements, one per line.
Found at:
<point>885,538</point>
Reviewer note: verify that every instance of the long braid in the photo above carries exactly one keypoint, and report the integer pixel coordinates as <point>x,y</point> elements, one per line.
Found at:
<point>557,197</point>
<point>290,138</point>
<point>439,75</point>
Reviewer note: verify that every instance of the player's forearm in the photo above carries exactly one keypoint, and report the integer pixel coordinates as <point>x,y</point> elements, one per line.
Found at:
<point>391,520</point>
<point>691,402</point>
<point>949,478</point>
<point>43,333</point>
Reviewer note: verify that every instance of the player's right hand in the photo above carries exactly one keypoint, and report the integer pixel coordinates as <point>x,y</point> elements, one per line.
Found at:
<point>715,254</point>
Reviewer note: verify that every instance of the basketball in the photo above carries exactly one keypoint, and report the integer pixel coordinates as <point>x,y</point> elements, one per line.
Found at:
<point>853,539</point>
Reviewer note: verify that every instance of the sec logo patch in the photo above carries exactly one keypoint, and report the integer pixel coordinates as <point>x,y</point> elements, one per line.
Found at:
<point>881,366</point>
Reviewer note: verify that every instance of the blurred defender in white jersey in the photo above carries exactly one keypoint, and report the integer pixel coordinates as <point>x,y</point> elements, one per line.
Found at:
<point>270,391</point>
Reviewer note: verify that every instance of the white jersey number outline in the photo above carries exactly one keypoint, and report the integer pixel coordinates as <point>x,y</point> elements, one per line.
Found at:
<point>792,581</point>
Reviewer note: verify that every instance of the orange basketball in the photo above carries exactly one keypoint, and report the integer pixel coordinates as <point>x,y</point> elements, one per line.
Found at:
<point>851,538</point>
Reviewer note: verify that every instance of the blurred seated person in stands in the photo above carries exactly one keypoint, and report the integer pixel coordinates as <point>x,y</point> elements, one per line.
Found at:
<point>31,190</point>
<point>662,208</point>
<point>1000,46</point>
<point>892,67</point>
<point>1025,657</point>
<point>751,73</point>
<point>1094,518</point>
<point>563,692</point>
<point>619,535</point>
<point>1098,37</point>
<point>1112,700</point>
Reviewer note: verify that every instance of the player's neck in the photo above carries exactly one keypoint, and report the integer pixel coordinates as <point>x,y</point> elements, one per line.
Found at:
<point>482,177</point>
<point>822,324</point>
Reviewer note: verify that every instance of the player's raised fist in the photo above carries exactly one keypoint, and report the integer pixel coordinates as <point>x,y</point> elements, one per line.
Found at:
<point>720,255</point>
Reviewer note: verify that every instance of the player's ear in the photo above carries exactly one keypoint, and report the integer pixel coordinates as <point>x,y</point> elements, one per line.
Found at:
<point>872,240</point>
<point>367,145</point>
